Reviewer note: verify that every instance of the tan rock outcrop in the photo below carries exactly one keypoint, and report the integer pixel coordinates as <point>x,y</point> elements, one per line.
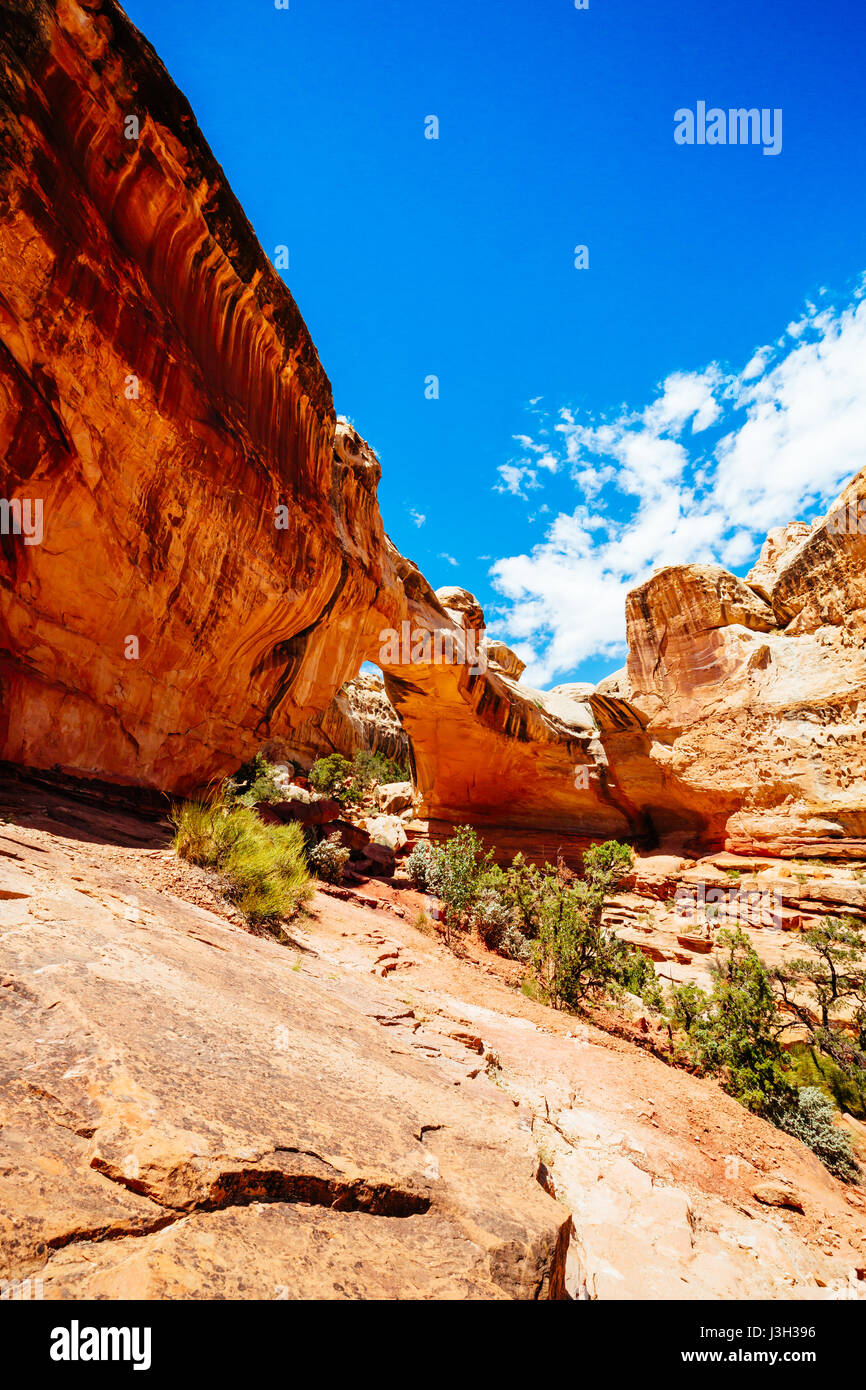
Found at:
<point>751,705</point>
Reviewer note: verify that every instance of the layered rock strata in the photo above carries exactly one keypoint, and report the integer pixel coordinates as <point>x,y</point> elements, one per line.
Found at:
<point>211,566</point>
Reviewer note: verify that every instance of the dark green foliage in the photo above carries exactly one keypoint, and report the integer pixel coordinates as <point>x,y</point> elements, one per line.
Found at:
<point>574,955</point>
<point>457,875</point>
<point>331,776</point>
<point>847,1086</point>
<point>737,1035</point>
<point>349,782</point>
<point>638,976</point>
<point>825,989</point>
<point>376,768</point>
<point>253,782</point>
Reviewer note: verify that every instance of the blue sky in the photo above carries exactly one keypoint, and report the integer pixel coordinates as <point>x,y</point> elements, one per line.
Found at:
<point>557,468</point>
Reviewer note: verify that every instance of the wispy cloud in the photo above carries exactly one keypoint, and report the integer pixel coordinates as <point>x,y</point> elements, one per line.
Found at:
<point>418,517</point>
<point>699,475</point>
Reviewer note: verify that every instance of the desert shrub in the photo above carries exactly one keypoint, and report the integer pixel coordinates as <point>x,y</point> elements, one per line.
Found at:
<point>331,776</point>
<point>329,857</point>
<point>834,977</point>
<point>846,1085</point>
<point>455,876</point>
<point>421,866</point>
<point>375,767</point>
<point>637,975</point>
<point>523,888</point>
<point>496,923</point>
<point>574,955</point>
<point>349,782</point>
<point>605,865</point>
<point>686,1005</point>
<point>822,990</point>
<point>812,1121</point>
<point>254,781</point>
<point>263,866</point>
<point>737,1035</point>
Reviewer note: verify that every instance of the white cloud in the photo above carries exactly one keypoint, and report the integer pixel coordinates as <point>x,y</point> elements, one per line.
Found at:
<point>516,479</point>
<point>418,517</point>
<point>449,558</point>
<point>755,367</point>
<point>787,431</point>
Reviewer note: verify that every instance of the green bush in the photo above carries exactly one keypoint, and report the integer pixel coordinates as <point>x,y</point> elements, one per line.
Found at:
<point>637,975</point>
<point>575,957</point>
<point>375,767</point>
<point>329,857</point>
<point>331,776</point>
<point>349,782</point>
<point>253,782</point>
<point>456,876</point>
<point>812,1121</point>
<point>846,1086</point>
<point>263,866</point>
<point>496,923</point>
<point>421,866</point>
<point>736,1036</point>
<point>686,1006</point>
<point>824,990</point>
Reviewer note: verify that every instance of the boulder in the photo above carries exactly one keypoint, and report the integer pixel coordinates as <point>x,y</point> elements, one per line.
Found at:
<point>352,836</point>
<point>379,860</point>
<point>316,811</point>
<point>778,1192</point>
<point>387,830</point>
<point>394,797</point>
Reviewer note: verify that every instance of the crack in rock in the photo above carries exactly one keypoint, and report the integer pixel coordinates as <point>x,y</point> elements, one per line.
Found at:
<point>281,1176</point>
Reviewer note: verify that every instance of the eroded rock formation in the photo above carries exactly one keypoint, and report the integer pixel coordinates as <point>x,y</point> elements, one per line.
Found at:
<point>752,696</point>
<point>207,549</point>
<point>213,566</point>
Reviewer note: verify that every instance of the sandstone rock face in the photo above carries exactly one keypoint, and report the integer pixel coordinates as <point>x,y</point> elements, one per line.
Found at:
<point>213,568</point>
<point>503,659</point>
<point>749,720</point>
<point>360,717</point>
<point>208,536</point>
<point>525,766</point>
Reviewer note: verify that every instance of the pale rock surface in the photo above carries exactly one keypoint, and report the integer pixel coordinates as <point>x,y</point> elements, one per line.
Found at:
<point>209,1114</point>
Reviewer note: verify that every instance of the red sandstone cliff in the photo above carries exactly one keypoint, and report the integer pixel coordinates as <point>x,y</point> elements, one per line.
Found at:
<point>213,565</point>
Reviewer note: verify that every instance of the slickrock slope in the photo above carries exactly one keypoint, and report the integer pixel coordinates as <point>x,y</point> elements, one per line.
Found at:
<point>188,1111</point>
